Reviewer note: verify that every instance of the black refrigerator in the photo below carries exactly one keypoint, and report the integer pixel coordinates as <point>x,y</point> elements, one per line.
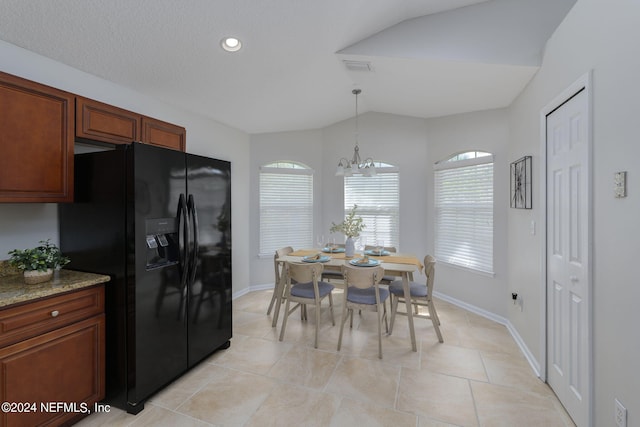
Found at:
<point>157,221</point>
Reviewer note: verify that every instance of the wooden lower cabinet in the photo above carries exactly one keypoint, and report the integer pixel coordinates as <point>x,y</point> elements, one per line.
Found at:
<point>53,378</point>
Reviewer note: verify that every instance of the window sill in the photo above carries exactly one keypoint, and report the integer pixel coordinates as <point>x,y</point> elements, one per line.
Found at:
<point>467,269</point>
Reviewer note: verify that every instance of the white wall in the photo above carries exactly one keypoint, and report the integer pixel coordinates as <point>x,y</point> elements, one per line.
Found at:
<point>603,37</point>
<point>23,225</point>
<point>483,131</point>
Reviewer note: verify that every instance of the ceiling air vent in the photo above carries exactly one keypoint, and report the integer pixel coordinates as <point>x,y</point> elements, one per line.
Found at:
<point>358,65</point>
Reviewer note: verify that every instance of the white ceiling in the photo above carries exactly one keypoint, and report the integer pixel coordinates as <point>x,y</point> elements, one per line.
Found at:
<point>428,57</point>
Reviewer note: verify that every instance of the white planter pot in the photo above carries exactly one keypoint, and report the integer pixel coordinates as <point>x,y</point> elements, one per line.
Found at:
<point>32,277</point>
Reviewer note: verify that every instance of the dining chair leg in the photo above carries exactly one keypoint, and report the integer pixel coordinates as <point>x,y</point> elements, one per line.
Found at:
<point>273,300</point>
<point>317,321</point>
<point>284,320</point>
<point>384,316</point>
<point>333,321</point>
<point>434,311</point>
<point>379,333</point>
<point>276,313</point>
<point>394,309</point>
<point>342,322</point>
<point>435,320</point>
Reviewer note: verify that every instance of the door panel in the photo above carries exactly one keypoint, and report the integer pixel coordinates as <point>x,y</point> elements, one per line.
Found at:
<point>160,323</point>
<point>568,338</point>
<point>209,186</point>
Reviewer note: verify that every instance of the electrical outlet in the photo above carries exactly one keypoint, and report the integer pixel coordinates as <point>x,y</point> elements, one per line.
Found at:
<point>620,414</point>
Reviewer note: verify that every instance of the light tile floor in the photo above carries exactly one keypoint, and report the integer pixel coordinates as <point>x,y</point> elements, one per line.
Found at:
<point>477,377</point>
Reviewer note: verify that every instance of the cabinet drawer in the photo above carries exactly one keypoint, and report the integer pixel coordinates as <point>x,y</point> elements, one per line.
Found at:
<point>34,318</point>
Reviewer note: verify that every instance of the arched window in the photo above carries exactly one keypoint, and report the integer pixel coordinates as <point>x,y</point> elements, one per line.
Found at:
<point>286,206</point>
<point>378,200</point>
<point>464,210</point>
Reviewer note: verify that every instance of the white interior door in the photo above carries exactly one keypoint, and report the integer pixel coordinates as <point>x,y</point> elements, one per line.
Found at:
<point>568,291</point>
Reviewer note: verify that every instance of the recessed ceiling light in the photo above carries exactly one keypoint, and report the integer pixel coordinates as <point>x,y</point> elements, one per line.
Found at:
<point>231,44</point>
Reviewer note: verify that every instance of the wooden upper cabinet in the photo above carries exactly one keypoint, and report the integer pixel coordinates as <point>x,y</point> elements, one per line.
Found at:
<point>102,122</point>
<point>163,134</point>
<point>36,142</point>
<point>96,121</point>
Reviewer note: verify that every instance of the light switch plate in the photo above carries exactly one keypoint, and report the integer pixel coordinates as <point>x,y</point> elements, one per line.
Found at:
<point>620,184</point>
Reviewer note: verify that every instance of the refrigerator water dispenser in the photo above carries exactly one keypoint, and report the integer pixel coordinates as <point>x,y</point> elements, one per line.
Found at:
<point>162,242</point>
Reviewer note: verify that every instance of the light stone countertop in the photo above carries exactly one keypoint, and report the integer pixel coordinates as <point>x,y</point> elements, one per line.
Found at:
<point>13,290</point>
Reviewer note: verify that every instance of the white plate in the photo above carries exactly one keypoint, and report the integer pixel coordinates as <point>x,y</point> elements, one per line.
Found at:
<point>373,252</point>
<point>359,262</point>
<point>312,258</point>
<point>333,251</point>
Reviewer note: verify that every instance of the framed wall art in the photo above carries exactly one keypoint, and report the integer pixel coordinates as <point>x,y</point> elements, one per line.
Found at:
<point>521,183</point>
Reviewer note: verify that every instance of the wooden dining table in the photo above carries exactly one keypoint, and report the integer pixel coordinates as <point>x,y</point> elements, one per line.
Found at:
<point>394,264</point>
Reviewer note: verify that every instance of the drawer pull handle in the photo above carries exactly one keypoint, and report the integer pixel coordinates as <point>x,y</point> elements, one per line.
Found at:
<point>55,313</point>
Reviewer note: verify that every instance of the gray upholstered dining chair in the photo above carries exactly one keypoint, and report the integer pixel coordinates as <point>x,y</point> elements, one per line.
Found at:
<point>303,287</point>
<point>278,289</point>
<point>362,292</point>
<point>421,296</point>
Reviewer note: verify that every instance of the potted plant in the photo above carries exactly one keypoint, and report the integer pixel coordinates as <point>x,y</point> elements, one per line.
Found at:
<point>38,263</point>
<point>350,227</point>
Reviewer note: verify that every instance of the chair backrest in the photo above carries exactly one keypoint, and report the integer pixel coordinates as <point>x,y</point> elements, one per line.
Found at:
<point>277,265</point>
<point>362,277</point>
<point>303,272</point>
<point>391,249</point>
<point>430,271</point>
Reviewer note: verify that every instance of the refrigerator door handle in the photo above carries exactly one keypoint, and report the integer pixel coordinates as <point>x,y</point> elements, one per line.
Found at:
<point>191,205</point>
<point>185,231</point>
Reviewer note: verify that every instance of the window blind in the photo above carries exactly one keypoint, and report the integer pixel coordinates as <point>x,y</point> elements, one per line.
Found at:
<point>378,203</point>
<point>464,213</point>
<point>286,209</point>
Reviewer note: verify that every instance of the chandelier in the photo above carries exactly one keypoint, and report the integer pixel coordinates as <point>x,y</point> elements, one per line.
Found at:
<point>348,167</point>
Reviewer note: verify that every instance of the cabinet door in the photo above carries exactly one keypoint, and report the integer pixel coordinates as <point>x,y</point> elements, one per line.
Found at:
<point>163,134</point>
<point>102,122</point>
<point>62,367</point>
<point>36,142</point>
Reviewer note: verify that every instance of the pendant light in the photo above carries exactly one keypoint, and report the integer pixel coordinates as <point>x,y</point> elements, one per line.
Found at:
<point>356,165</point>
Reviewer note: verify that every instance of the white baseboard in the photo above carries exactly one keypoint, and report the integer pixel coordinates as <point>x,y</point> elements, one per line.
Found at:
<point>533,362</point>
<point>252,288</point>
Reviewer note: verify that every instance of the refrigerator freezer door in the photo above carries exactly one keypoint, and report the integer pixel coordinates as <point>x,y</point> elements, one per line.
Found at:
<point>158,332</point>
<point>209,188</point>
